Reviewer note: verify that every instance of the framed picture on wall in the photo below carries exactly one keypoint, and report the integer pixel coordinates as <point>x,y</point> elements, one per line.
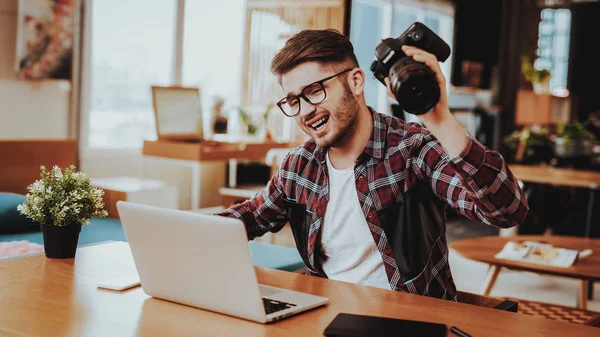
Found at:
<point>178,113</point>
<point>45,36</point>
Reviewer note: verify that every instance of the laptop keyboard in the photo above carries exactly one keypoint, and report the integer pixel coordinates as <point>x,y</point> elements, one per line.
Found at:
<point>272,306</point>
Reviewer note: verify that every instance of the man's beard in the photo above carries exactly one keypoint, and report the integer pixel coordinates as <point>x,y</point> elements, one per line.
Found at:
<point>348,108</point>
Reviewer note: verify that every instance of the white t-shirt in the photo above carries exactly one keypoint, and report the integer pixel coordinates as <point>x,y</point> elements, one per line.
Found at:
<point>348,250</point>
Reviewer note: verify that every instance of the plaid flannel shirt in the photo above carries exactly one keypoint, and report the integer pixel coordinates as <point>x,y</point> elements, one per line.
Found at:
<point>476,183</point>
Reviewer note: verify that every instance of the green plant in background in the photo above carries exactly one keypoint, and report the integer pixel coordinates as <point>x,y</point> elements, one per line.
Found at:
<point>247,120</point>
<point>252,128</point>
<point>62,198</point>
<point>575,131</point>
<point>537,142</point>
<point>530,73</point>
<point>267,111</point>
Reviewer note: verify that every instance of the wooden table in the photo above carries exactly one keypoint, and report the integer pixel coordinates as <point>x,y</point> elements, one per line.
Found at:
<point>210,151</point>
<point>556,176</point>
<point>45,297</point>
<point>483,249</point>
<point>561,177</point>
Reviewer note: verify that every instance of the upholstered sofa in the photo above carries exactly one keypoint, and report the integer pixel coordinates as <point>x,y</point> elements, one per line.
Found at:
<point>17,227</point>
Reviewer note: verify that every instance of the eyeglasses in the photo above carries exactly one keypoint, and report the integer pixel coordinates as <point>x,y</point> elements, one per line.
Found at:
<point>313,93</point>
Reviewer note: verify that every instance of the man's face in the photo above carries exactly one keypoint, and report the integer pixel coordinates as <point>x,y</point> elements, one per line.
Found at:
<point>331,122</point>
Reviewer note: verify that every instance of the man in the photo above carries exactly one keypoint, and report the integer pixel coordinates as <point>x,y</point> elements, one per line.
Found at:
<point>366,195</point>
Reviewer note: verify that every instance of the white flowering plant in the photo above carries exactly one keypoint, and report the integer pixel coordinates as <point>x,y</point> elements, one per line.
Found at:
<point>62,198</point>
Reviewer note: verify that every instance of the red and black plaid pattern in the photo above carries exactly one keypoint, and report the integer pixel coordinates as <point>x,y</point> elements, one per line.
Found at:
<point>476,183</point>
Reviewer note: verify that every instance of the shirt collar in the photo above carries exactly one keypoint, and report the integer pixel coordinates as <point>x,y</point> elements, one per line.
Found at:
<point>375,147</point>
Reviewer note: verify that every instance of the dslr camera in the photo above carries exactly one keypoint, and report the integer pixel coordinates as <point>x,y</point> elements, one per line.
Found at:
<point>413,83</point>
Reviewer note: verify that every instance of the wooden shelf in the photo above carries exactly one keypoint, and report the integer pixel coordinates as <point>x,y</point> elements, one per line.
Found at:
<point>209,151</point>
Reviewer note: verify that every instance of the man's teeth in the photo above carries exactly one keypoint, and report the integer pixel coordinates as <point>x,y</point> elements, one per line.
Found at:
<point>319,124</point>
<point>314,125</point>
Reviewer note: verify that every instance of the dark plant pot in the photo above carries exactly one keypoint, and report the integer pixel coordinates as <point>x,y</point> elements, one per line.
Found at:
<point>60,242</point>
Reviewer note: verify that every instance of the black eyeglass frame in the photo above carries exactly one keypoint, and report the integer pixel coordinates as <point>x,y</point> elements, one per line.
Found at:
<point>302,95</point>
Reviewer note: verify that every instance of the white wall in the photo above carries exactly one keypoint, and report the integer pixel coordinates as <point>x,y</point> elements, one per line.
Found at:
<point>28,109</point>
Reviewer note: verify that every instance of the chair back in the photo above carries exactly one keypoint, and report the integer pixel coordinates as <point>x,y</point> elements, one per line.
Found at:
<point>487,301</point>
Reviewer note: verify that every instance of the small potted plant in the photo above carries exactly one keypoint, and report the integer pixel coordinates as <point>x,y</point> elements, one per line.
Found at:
<point>530,146</point>
<point>539,78</point>
<point>574,139</point>
<point>62,201</point>
<point>248,123</point>
<point>254,128</point>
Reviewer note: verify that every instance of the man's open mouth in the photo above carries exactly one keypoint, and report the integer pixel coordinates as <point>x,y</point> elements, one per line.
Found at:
<point>318,125</point>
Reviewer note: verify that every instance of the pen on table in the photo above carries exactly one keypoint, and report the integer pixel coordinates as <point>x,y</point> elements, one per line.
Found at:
<point>459,332</point>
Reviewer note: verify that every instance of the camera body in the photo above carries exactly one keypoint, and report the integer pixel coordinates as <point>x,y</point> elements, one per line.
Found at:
<point>413,83</point>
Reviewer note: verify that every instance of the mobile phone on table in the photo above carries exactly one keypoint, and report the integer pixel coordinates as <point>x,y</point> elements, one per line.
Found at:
<point>352,325</point>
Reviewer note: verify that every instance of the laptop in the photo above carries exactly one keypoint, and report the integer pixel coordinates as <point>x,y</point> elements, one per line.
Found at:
<point>203,261</point>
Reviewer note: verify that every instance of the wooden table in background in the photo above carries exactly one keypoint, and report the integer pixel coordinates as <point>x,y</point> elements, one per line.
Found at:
<point>561,177</point>
<point>209,151</point>
<point>556,176</point>
<point>235,195</point>
<point>483,249</point>
<point>47,297</point>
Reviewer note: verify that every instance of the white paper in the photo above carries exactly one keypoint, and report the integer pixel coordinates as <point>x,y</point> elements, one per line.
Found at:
<point>538,253</point>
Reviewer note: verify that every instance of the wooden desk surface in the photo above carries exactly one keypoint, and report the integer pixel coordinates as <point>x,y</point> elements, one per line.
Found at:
<point>556,176</point>
<point>483,249</point>
<point>44,297</point>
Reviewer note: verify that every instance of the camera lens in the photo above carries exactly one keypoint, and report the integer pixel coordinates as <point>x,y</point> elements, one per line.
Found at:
<point>414,85</point>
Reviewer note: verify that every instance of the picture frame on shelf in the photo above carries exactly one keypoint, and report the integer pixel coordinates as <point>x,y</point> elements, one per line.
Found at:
<point>178,113</point>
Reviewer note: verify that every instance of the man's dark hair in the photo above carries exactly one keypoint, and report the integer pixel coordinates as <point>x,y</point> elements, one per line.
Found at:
<point>326,46</point>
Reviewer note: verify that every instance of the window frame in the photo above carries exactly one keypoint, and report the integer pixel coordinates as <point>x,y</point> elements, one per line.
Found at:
<point>383,103</point>
<point>86,151</point>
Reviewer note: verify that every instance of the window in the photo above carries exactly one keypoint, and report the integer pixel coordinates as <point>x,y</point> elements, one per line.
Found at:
<point>133,45</point>
<point>369,24</point>
<point>374,20</point>
<point>441,23</point>
<point>131,49</point>
<point>211,61</point>
<point>553,46</point>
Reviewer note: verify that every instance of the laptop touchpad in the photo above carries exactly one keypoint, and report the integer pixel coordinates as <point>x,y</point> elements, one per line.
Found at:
<point>268,291</point>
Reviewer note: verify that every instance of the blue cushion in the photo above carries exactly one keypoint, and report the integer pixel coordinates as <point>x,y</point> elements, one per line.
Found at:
<point>107,229</point>
<point>275,257</point>
<point>99,230</point>
<point>11,220</point>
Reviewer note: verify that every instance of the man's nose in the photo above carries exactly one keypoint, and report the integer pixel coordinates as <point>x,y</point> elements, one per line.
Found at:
<point>306,109</point>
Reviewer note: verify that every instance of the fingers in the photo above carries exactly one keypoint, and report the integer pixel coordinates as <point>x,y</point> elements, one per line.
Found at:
<point>412,51</point>
<point>429,59</point>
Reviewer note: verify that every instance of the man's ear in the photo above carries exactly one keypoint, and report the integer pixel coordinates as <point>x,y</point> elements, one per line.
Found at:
<point>356,81</point>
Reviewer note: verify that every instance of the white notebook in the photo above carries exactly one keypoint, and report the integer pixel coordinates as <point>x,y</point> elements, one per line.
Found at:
<point>121,282</point>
